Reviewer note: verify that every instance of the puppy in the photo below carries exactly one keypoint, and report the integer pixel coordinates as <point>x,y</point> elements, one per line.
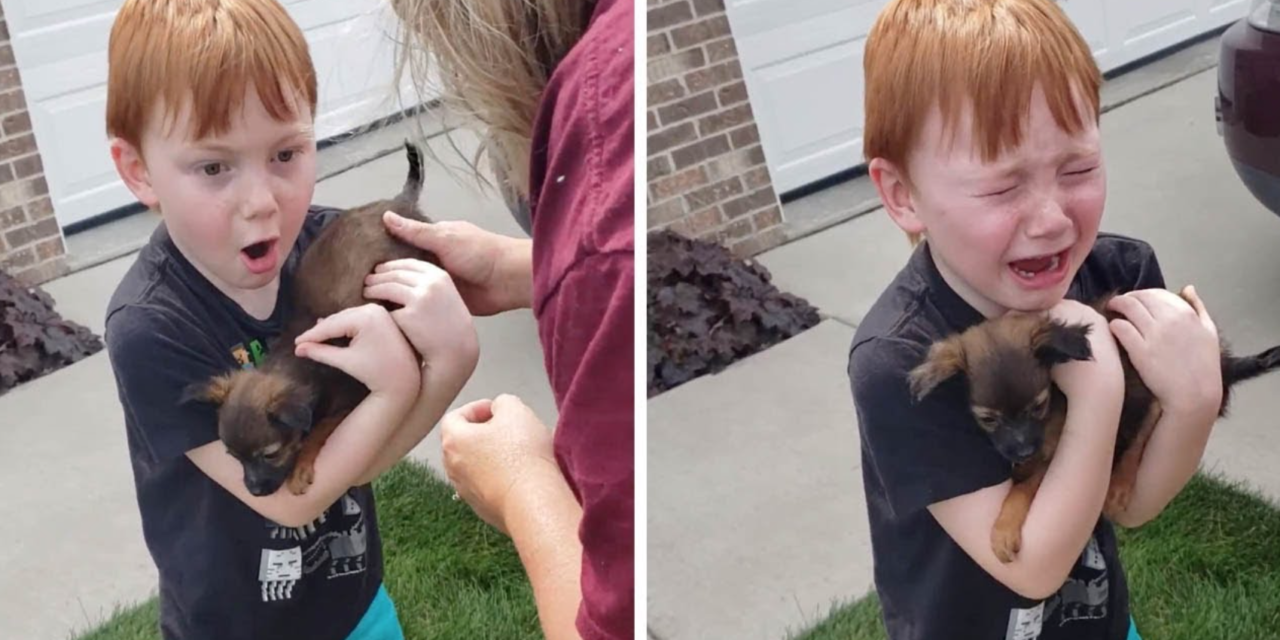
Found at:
<point>274,419</point>
<point>1007,363</point>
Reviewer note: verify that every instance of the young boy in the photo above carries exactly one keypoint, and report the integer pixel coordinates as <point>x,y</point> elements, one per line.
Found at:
<point>982,138</point>
<point>210,109</point>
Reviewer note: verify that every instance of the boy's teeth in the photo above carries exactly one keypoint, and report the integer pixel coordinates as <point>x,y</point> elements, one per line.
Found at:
<point>1030,267</point>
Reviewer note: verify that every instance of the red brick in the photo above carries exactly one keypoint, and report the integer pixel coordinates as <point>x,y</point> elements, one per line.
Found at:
<point>757,177</point>
<point>693,154</point>
<point>698,223</point>
<point>43,273</point>
<point>702,79</point>
<point>30,233</point>
<point>665,91</point>
<point>678,184</point>
<point>6,173</point>
<point>10,79</point>
<point>28,166</point>
<point>733,231</point>
<point>18,259</point>
<point>700,32</point>
<point>19,122</point>
<point>16,147</point>
<point>669,15</point>
<point>658,167</point>
<point>735,163</point>
<point>39,208</point>
<point>39,187</point>
<point>770,217</point>
<point>651,121</point>
<point>671,137</point>
<point>675,64</point>
<point>725,120</point>
<point>705,7</point>
<point>748,203</point>
<point>666,212</point>
<point>658,44</point>
<point>688,108</point>
<point>6,56</point>
<point>745,136</point>
<point>732,94</point>
<point>721,50</point>
<point>12,101</point>
<point>756,155</point>
<point>4,30</point>
<point>12,219</point>
<point>717,192</point>
<point>51,248</point>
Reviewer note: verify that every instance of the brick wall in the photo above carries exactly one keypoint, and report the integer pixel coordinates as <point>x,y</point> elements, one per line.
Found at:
<point>707,175</point>
<point>31,244</point>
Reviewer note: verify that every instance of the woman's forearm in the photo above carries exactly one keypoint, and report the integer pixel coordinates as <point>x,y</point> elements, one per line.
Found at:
<point>516,274</point>
<point>542,519</point>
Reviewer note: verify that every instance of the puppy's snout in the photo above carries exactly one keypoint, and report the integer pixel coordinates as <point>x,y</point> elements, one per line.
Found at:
<point>1019,443</point>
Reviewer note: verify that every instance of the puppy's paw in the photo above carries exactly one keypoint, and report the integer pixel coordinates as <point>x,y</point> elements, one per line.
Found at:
<point>301,478</point>
<point>1118,497</point>
<point>1006,542</point>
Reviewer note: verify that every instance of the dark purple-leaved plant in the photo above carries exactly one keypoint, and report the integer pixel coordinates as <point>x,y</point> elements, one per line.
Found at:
<point>34,339</point>
<point>707,309</point>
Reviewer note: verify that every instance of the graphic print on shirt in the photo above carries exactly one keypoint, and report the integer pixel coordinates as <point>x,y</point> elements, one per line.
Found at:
<point>1083,596</point>
<point>251,357</point>
<point>340,551</point>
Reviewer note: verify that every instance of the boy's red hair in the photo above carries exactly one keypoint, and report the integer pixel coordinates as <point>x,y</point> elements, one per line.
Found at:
<point>208,53</point>
<point>990,54</point>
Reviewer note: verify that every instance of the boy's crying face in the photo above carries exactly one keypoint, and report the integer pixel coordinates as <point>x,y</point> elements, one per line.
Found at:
<point>1008,234</point>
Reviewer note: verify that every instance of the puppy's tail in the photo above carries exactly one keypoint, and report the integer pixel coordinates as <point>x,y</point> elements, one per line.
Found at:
<point>407,201</point>
<point>1240,368</point>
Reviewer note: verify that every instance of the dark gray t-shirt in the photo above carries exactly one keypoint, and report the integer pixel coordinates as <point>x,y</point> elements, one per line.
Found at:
<point>225,571</point>
<point>916,454</point>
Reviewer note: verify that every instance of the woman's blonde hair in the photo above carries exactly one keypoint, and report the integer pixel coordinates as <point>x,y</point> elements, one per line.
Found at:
<point>491,60</point>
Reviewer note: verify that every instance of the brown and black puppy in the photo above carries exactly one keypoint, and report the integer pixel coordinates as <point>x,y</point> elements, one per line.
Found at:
<point>274,419</point>
<point>1006,362</point>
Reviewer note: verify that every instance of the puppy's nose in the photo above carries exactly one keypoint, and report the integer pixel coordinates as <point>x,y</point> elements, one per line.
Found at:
<point>1024,451</point>
<point>258,488</point>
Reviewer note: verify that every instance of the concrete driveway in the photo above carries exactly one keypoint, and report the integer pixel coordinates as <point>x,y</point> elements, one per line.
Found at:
<point>757,521</point>
<point>74,539</point>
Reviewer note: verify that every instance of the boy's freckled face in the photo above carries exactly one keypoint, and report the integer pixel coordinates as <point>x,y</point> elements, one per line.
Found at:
<point>234,203</point>
<point>1010,234</point>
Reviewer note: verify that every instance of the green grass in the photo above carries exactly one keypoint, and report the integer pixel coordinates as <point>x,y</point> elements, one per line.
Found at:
<point>1208,567</point>
<point>450,574</point>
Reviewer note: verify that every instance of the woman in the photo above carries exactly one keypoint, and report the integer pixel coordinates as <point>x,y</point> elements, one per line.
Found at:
<point>549,87</point>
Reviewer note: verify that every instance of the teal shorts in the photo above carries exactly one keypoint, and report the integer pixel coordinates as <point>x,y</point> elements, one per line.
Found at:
<point>380,621</point>
<point>1133,630</point>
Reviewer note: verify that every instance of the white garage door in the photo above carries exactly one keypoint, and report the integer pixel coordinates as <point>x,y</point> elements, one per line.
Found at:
<point>61,51</point>
<point>802,60</point>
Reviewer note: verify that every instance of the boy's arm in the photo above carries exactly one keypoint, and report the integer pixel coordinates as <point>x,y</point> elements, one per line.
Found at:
<point>441,384</point>
<point>347,453</point>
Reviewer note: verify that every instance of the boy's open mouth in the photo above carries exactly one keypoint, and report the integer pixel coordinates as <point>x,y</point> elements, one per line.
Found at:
<point>259,257</point>
<point>1041,270</point>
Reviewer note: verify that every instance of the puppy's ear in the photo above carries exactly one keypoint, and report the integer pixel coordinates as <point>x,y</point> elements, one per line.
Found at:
<point>296,413</point>
<point>1057,343</point>
<point>214,391</point>
<point>945,359</point>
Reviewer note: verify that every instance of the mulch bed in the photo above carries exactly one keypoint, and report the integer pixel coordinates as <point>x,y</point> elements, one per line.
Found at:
<point>34,339</point>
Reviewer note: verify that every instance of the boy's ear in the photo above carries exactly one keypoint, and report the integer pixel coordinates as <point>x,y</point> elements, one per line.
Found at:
<point>945,359</point>
<point>895,194</point>
<point>133,171</point>
<point>1057,343</point>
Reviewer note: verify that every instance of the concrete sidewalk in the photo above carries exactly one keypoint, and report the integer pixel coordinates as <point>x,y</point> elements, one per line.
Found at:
<point>74,541</point>
<point>757,516</point>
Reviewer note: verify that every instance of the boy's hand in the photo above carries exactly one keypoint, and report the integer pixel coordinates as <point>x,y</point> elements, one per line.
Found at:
<point>1174,347</point>
<point>492,272</point>
<point>1103,372</point>
<point>377,355</point>
<point>493,449</point>
<point>432,314</point>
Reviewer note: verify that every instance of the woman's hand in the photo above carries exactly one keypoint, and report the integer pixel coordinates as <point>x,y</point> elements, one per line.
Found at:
<point>493,273</point>
<point>1173,344</point>
<point>432,314</point>
<point>494,449</point>
<point>378,355</point>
